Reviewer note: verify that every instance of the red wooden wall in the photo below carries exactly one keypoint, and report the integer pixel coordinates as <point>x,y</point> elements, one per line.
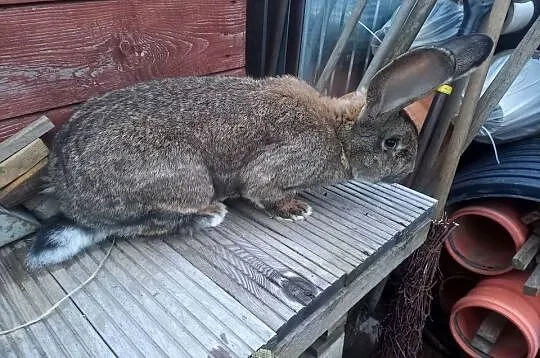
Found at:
<point>54,54</point>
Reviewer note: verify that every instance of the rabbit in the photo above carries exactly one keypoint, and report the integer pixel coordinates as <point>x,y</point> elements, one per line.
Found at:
<point>158,158</point>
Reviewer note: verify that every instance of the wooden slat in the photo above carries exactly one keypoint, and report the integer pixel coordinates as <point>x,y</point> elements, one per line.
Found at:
<point>24,187</point>
<point>24,296</point>
<point>249,267</point>
<point>270,268</point>
<point>174,323</point>
<point>222,315</point>
<point>15,224</point>
<point>116,314</point>
<point>57,55</point>
<point>526,253</point>
<point>24,137</point>
<point>532,285</point>
<point>17,2</point>
<point>270,242</point>
<point>488,333</point>
<point>59,116</point>
<point>332,260</point>
<point>360,216</point>
<point>22,161</point>
<point>383,192</point>
<point>325,212</point>
<point>241,291</point>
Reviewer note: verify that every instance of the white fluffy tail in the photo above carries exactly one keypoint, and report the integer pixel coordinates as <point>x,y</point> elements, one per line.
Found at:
<point>60,241</point>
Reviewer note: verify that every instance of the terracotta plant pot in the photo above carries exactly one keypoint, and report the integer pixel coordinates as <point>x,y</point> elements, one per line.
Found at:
<point>488,236</point>
<point>417,111</point>
<point>452,289</point>
<point>503,295</point>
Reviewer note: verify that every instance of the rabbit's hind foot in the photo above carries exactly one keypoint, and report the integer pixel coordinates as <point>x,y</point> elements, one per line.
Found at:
<point>290,210</point>
<point>212,215</point>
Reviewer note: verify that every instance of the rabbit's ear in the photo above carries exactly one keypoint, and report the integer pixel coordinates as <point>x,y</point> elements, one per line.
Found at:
<point>419,71</point>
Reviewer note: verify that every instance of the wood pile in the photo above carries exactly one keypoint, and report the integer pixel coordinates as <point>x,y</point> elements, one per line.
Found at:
<point>23,162</point>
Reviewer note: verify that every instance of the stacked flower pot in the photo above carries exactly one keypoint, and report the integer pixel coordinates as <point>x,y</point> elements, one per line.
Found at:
<point>494,307</point>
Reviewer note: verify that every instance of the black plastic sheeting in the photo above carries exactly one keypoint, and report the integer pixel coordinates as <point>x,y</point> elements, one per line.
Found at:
<point>518,175</point>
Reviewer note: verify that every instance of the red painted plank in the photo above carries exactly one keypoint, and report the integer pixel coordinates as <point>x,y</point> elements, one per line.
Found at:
<point>15,2</point>
<point>58,54</point>
<point>59,115</point>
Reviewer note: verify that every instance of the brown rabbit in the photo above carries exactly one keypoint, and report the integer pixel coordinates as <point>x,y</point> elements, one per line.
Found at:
<point>159,157</point>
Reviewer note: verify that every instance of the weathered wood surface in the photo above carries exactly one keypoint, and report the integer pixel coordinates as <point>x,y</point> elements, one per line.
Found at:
<point>532,285</point>
<point>15,224</point>
<point>488,333</point>
<point>252,282</point>
<point>60,54</point>
<point>25,186</point>
<point>22,138</point>
<point>22,161</point>
<point>58,116</point>
<point>526,253</point>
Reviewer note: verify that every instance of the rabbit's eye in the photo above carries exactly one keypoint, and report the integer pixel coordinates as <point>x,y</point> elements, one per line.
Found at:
<point>391,143</point>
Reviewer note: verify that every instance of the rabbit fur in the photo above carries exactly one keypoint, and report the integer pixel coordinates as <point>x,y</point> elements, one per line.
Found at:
<point>158,158</point>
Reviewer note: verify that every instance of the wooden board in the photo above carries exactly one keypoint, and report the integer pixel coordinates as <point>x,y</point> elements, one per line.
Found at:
<point>25,186</point>
<point>58,116</point>
<point>15,224</point>
<point>22,161</point>
<point>60,54</point>
<point>252,282</point>
<point>9,127</point>
<point>25,136</point>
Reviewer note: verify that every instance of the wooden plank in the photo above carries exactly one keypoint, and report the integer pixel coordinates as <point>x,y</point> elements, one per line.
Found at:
<point>246,268</point>
<point>16,2</point>
<point>257,286</point>
<point>488,333</point>
<point>97,46</point>
<point>398,198</point>
<point>115,315</point>
<point>383,203</point>
<point>22,161</point>
<point>24,137</point>
<point>412,194</point>
<point>65,332</point>
<point>172,325</point>
<point>302,336</point>
<point>246,298</point>
<point>15,224</point>
<point>293,285</point>
<point>25,186</point>
<point>208,292</point>
<point>526,253</point>
<point>59,116</point>
<point>266,240</point>
<point>532,285</point>
<point>310,244</point>
<point>346,240</point>
<point>357,216</point>
<point>220,316</point>
<point>325,212</point>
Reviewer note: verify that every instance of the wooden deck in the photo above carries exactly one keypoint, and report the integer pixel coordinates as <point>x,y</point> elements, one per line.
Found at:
<point>251,283</point>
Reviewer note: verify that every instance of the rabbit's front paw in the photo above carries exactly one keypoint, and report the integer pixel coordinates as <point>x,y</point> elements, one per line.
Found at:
<point>291,210</point>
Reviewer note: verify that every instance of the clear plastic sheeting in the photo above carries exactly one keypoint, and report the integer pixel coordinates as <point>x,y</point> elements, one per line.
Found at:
<point>517,115</point>
<point>323,23</point>
<point>442,23</point>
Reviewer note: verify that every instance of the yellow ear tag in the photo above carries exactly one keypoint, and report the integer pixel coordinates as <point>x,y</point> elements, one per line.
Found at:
<point>446,89</point>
